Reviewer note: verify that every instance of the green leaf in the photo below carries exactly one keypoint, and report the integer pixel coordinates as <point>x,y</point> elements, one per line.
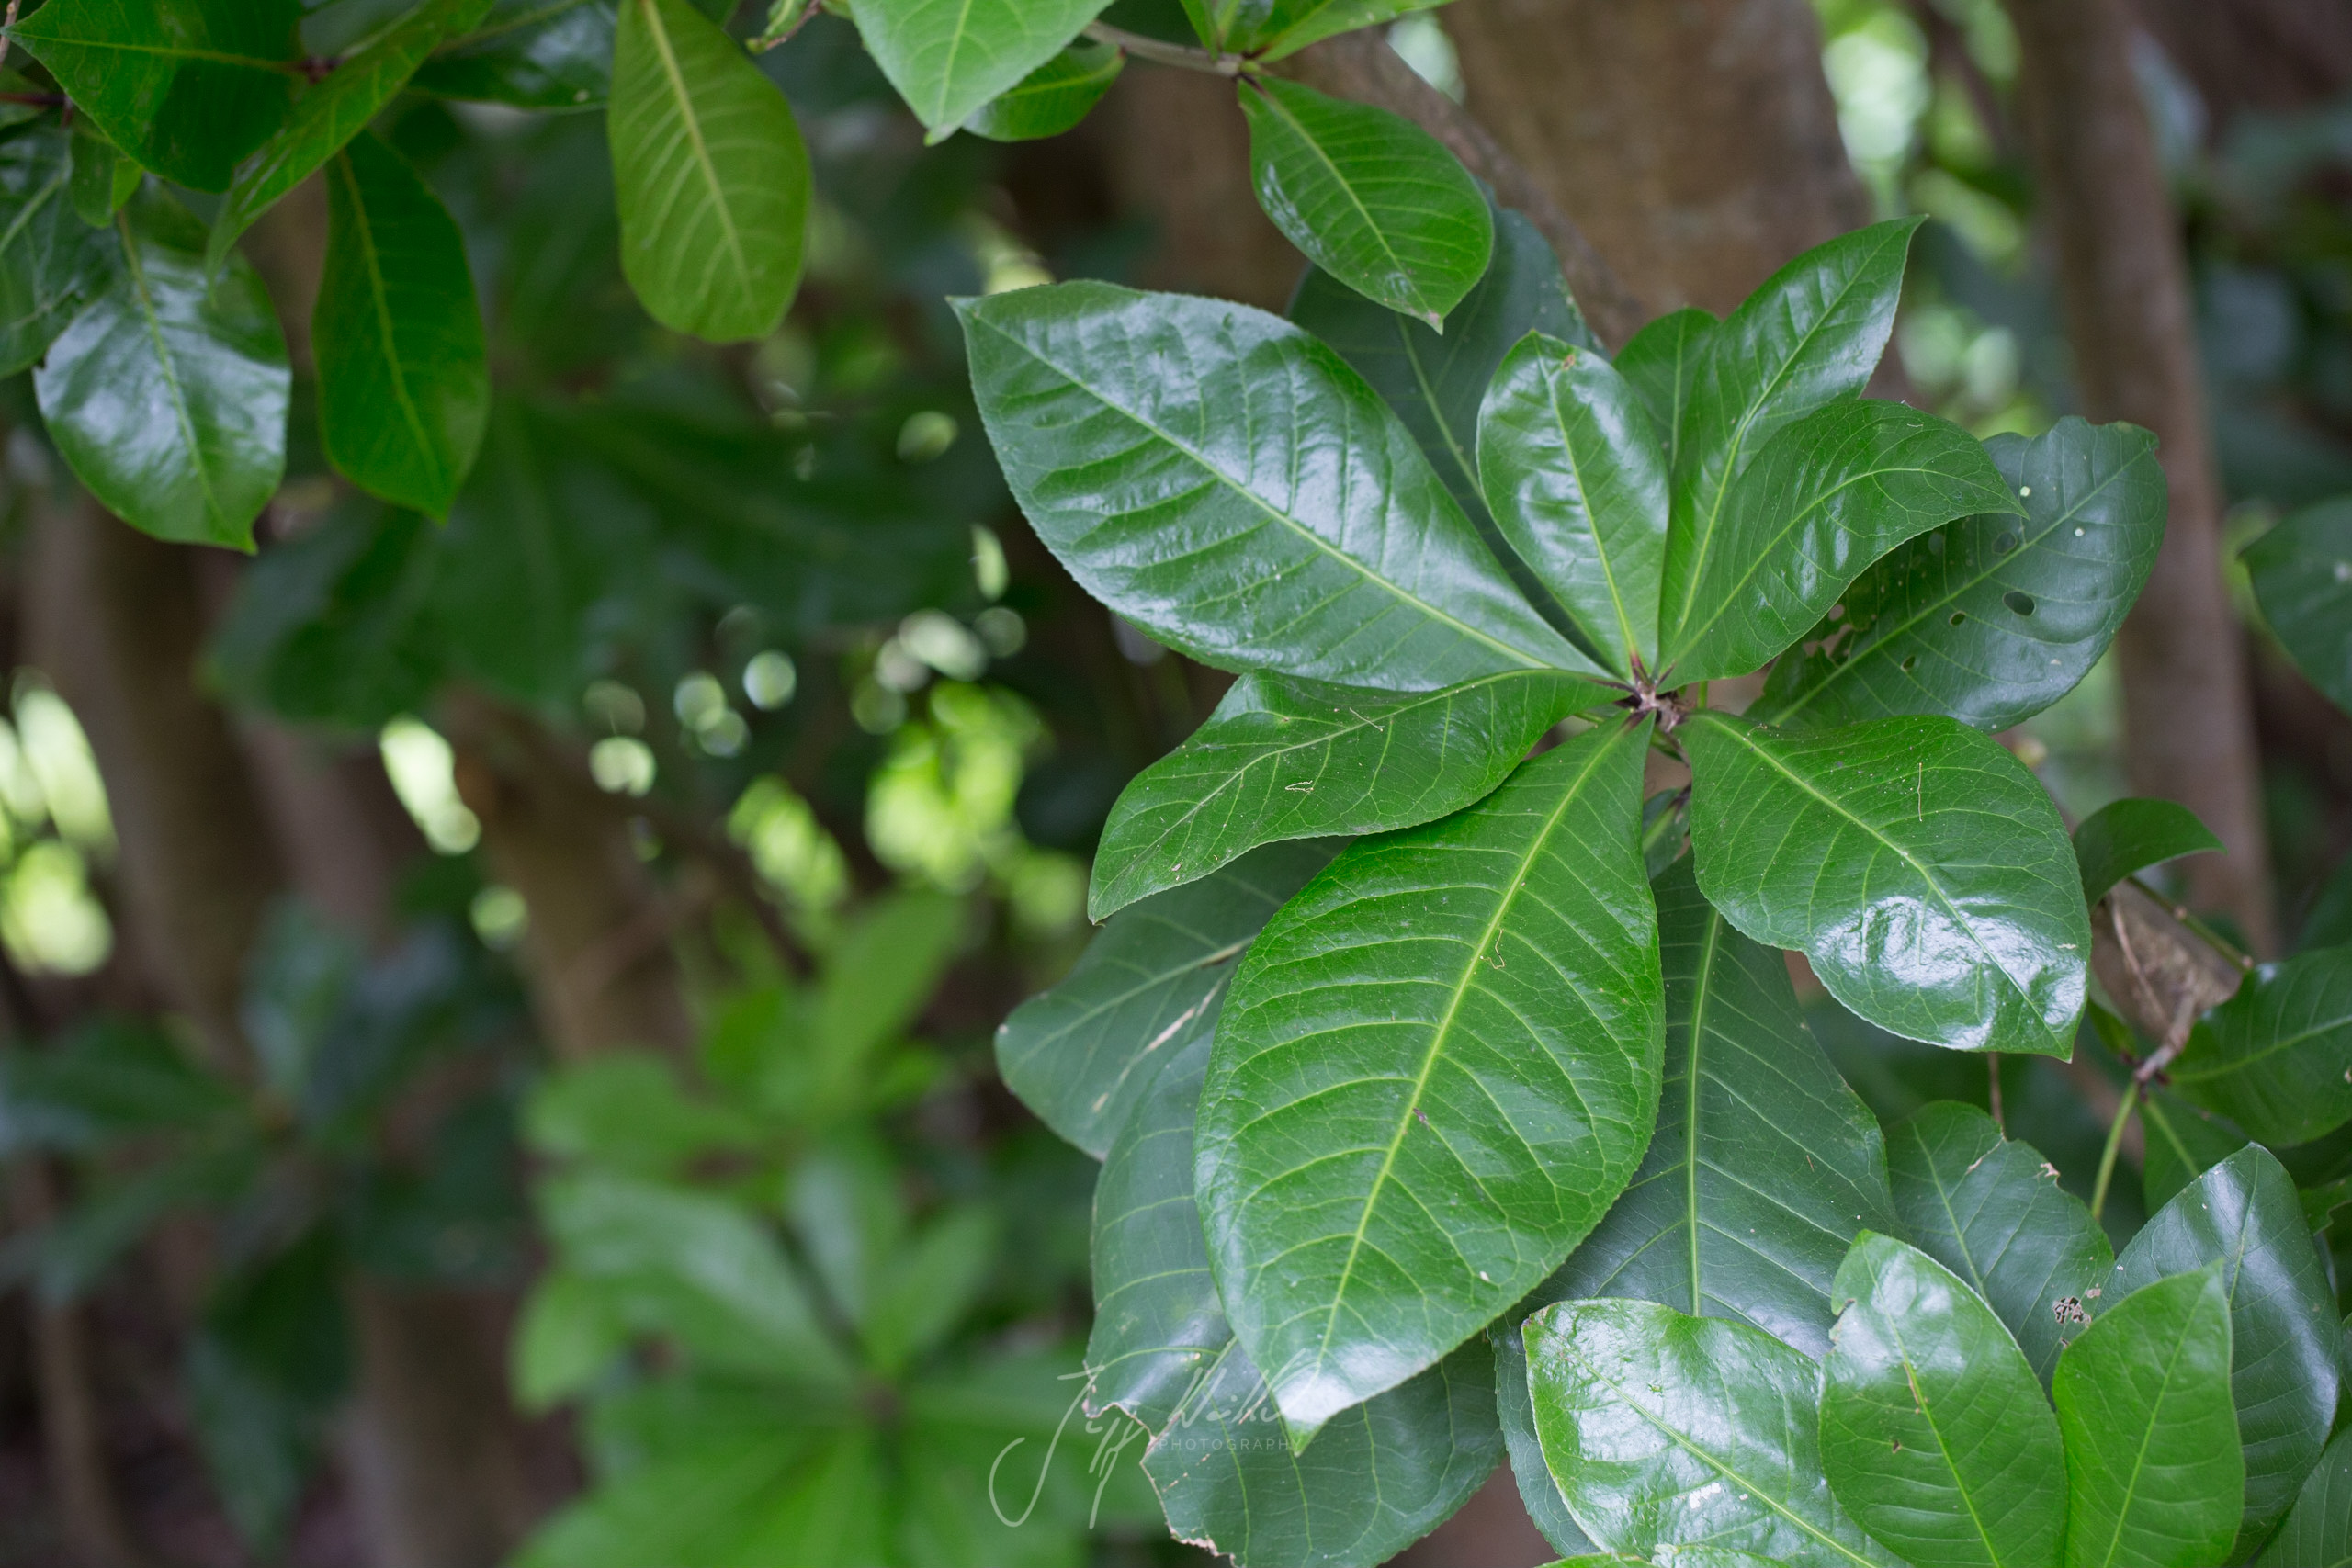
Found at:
<point>2125,837</point>
<point>1663,362</point>
<point>168,395</point>
<point>1052,98</point>
<point>946,58</point>
<point>1988,619</point>
<point>106,1080</point>
<point>1668,1431</point>
<point>2273,1057</point>
<point>1270,29</point>
<point>1992,1211</point>
<point>1438,1068</point>
<point>1369,197</point>
<point>1228,484</point>
<point>1915,863</point>
<point>187,87</point>
<point>1149,983</point>
<point>2318,1531</point>
<point>50,260</point>
<point>1284,759</point>
<point>627,1110</point>
<point>2244,1218</point>
<point>2153,1467</point>
<point>1809,336</point>
<point>1933,1430</point>
<point>927,1289</point>
<point>712,177</point>
<point>103,178</point>
<point>1538,1493</point>
<point>403,366</point>
<point>2302,579</point>
<point>1573,470</point>
<point>533,54</point>
<point>335,110</point>
<point>2182,1143</point>
<point>1821,501</point>
<point>569,1331</point>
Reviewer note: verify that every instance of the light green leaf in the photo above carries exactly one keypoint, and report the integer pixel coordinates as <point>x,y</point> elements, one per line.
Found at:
<point>404,368</point>
<point>1820,502</point>
<point>2318,1532</point>
<point>1052,98</point>
<point>1663,362</point>
<point>570,1332</point>
<point>49,260</point>
<point>2154,1472</point>
<point>1933,1430</point>
<point>186,87</point>
<point>1369,197</point>
<point>1916,865</point>
<point>1228,484</point>
<point>2302,578</point>
<point>1578,481</point>
<point>1151,981</point>
<point>533,54</point>
<point>2125,837</point>
<point>1666,1431</point>
<point>2273,1057</point>
<point>948,57</point>
<point>925,1292</point>
<point>168,395</point>
<point>1286,759</point>
<point>711,175</point>
<point>1992,1211</point>
<point>1988,619</point>
<point>2244,1218</point>
<point>1270,29</point>
<point>1438,1068</point>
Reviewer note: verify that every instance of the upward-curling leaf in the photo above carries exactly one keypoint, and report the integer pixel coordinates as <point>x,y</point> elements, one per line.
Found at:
<point>949,56</point>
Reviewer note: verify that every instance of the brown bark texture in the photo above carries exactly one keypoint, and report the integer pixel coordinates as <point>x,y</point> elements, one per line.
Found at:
<point>2188,726</point>
<point>2270,56</point>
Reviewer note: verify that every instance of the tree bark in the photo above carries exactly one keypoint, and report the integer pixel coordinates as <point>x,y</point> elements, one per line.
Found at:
<point>2271,56</point>
<point>2188,728</point>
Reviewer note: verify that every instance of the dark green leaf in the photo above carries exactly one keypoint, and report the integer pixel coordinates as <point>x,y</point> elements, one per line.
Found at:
<point>1270,29</point>
<point>1229,485</point>
<point>49,260</point>
<point>1991,1210</point>
<point>2302,578</point>
<point>1988,619</point>
<point>107,1080</point>
<point>2329,924</point>
<point>533,54</point>
<point>1286,759</point>
<point>2318,1532</point>
<point>1053,97</point>
<point>1820,502</point>
<point>1083,1053</point>
<point>1663,362</point>
<point>1810,336</point>
<point>1917,866</point>
<point>1933,1430</point>
<point>948,57</point>
<point>1369,197</point>
<point>2182,1143</point>
<point>103,178</point>
<point>168,395</point>
<point>2153,1467</point>
<point>1668,1431</point>
<point>2125,837</point>
<point>2274,1057</point>
<point>711,174</point>
<point>2243,1218</point>
<point>187,87</point>
<point>1577,481</point>
<point>1538,1493</point>
<point>404,368</point>
<point>1438,1068</point>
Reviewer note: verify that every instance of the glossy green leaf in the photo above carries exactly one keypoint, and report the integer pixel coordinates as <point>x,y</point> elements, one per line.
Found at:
<point>1992,1211</point>
<point>335,110</point>
<point>948,57</point>
<point>187,87</point>
<point>1286,759</point>
<point>2125,837</point>
<point>1990,619</point>
<point>1820,502</point>
<point>1379,1475</point>
<point>533,54</point>
<point>49,260</point>
<point>1573,470</point>
<point>1271,30</point>
<point>1515,1405</point>
<point>1228,484</point>
<point>2243,1218</point>
<point>1368,196</point>
<point>103,180</point>
<point>1810,336</point>
<point>2274,1059</point>
<point>1765,1165</point>
<point>2153,1467</point>
<point>403,366</point>
<point>1438,1068</point>
<point>2318,1531</point>
<point>1052,98</point>
<point>1149,983</point>
<point>2183,1142</point>
<point>712,177</point>
<point>1663,361</point>
<point>1934,1432</point>
<point>1666,1431</point>
<point>2302,572</point>
<point>168,395</point>
<point>1915,863</point>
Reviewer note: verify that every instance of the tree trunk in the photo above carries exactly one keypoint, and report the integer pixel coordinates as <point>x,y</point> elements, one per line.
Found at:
<point>2188,728</point>
<point>2271,56</point>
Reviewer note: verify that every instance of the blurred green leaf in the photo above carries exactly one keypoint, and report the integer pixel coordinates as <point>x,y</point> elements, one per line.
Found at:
<point>1270,29</point>
<point>108,1080</point>
<point>103,178</point>
<point>531,54</point>
<point>570,1331</point>
<point>2125,837</point>
<point>2302,578</point>
<point>922,1292</point>
<point>626,1109</point>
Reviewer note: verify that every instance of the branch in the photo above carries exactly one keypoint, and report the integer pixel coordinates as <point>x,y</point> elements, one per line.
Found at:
<point>1184,57</point>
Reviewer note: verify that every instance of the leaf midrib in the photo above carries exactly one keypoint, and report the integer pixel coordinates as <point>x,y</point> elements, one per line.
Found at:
<point>1632,646</point>
<point>1691,1161</point>
<point>1291,122</point>
<point>2237,1065</point>
<point>2147,1436</point>
<point>649,10</point>
<point>1921,1402</point>
<point>386,327</point>
<point>168,367</point>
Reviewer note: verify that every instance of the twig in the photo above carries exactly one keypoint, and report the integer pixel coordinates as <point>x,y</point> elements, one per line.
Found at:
<point>1993,1090</point>
<point>6,22</point>
<point>1182,56</point>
